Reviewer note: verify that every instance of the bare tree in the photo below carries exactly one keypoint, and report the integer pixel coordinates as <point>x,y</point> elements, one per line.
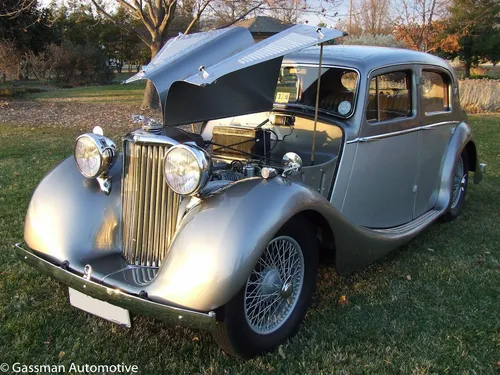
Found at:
<point>156,16</point>
<point>373,16</point>
<point>10,60</point>
<point>289,12</point>
<point>417,24</point>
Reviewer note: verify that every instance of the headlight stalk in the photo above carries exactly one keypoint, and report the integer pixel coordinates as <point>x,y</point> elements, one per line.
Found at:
<point>94,155</point>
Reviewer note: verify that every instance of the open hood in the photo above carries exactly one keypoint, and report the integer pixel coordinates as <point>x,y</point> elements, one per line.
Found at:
<point>222,73</point>
<point>182,56</point>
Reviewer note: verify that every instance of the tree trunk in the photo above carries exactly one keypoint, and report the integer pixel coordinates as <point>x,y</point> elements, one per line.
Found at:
<point>468,64</point>
<point>151,99</point>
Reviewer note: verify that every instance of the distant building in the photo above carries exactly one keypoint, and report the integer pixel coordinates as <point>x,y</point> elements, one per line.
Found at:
<point>263,27</point>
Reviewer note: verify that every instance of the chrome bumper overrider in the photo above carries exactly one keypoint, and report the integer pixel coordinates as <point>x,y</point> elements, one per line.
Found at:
<point>479,173</point>
<point>136,305</point>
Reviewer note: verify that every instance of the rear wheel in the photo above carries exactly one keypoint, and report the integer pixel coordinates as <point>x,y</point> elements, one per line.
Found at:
<point>459,188</point>
<point>271,305</point>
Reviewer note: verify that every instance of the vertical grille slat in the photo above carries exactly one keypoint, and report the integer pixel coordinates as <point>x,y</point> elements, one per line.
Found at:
<point>149,206</point>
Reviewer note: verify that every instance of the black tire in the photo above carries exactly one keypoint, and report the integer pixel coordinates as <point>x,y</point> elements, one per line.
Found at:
<point>462,178</point>
<point>235,334</point>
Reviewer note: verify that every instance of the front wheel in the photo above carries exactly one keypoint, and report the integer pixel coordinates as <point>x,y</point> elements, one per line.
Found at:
<point>459,188</point>
<point>271,305</point>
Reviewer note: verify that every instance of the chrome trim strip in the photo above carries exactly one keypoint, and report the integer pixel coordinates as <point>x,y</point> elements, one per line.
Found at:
<point>137,305</point>
<point>400,132</point>
<point>154,140</point>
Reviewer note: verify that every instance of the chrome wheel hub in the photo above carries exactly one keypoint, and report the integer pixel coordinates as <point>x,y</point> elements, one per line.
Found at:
<point>274,287</point>
<point>459,181</point>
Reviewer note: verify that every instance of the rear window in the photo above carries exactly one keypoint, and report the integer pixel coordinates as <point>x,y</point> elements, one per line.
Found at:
<point>435,92</point>
<point>389,96</point>
<point>298,86</point>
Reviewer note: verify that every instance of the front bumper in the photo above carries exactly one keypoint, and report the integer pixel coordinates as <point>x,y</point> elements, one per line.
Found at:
<point>136,305</point>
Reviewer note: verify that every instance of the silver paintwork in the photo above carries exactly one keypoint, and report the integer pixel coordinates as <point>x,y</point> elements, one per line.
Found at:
<point>185,70</point>
<point>289,41</point>
<point>274,286</point>
<point>115,296</point>
<point>221,235</point>
<point>181,57</point>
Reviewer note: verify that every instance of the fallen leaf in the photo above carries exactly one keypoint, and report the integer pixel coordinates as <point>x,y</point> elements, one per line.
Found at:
<point>61,354</point>
<point>343,300</point>
<point>408,277</point>
<point>430,249</point>
<point>281,352</point>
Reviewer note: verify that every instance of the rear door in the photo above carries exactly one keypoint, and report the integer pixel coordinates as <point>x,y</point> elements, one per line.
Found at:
<point>381,190</point>
<point>435,95</point>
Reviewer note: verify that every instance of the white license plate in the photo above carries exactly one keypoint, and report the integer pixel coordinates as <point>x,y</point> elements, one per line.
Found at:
<point>100,308</point>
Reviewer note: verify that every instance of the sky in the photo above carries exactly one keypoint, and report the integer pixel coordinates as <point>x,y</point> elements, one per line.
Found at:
<point>329,17</point>
<point>312,16</point>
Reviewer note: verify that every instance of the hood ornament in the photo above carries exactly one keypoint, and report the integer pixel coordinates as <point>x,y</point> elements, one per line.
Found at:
<point>148,124</point>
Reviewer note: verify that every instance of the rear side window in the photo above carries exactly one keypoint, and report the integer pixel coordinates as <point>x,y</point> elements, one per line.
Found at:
<point>435,92</point>
<point>389,96</point>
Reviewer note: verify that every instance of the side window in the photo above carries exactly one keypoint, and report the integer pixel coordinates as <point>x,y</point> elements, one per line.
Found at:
<point>389,96</point>
<point>435,92</point>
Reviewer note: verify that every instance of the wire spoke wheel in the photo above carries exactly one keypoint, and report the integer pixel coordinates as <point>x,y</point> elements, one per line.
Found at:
<point>273,288</point>
<point>459,181</point>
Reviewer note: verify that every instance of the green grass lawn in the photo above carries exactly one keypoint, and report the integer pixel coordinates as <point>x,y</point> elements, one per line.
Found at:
<point>117,93</point>
<point>431,306</point>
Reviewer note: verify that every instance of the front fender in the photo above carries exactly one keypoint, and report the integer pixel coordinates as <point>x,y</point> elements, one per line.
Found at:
<point>220,240</point>
<point>70,218</point>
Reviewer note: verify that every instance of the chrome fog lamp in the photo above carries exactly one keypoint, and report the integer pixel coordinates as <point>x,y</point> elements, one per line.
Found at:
<point>187,169</point>
<point>94,154</point>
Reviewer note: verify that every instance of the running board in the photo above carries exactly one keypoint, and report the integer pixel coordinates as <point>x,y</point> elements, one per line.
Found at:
<point>420,222</point>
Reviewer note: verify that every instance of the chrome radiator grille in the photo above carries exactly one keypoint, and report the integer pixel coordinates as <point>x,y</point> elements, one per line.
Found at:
<point>149,206</point>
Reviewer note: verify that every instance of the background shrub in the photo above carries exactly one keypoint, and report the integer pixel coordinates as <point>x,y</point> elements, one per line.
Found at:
<point>81,65</point>
<point>480,95</point>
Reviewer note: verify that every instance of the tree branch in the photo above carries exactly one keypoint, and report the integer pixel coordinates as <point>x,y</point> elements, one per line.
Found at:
<point>242,16</point>
<point>167,18</point>
<point>101,10</point>
<point>197,17</point>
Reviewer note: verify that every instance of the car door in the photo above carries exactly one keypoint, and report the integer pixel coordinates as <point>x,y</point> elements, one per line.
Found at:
<point>437,119</point>
<point>381,189</point>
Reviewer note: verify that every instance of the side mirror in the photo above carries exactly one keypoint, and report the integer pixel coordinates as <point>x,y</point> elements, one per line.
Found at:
<point>291,163</point>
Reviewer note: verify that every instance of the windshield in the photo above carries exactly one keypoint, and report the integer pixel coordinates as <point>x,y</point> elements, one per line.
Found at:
<point>298,86</point>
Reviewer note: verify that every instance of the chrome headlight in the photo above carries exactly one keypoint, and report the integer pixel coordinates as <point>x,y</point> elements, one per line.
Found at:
<point>94,154</point>
<point>187,169</point>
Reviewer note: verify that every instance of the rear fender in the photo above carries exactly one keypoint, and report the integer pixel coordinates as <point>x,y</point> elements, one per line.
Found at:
<point>461,137</point>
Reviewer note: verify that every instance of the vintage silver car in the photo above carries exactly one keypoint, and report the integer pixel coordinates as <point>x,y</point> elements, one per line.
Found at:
<point>295,150</point>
